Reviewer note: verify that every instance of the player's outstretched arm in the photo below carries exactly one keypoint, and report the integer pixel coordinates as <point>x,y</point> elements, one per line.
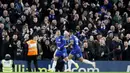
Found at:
<point>71,43</point>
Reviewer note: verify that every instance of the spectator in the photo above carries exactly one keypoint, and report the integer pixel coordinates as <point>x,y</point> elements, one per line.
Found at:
<point>36,2</point>
<point>14,46</point>
<point>103,28</point>
<point>126,50</point>
<point>103,50</point>
<point>1,38</point>
<point>117,47</point>
<point>127,37</point>
<point>127,26</point>
<point>13,14</point>
<point>7,24</point>
<point>116,18</point>
<point>90,49</point>
<point>52,15</point>
<point>6,48</point>
<point>19,51</point>
<point>1,10</point>
<point>19,6</point>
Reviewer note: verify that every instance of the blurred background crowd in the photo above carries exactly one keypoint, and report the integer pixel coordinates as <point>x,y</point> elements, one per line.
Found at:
<point>102,26</point>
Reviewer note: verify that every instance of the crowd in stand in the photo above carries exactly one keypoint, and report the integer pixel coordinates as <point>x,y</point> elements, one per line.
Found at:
<point>102,26</point>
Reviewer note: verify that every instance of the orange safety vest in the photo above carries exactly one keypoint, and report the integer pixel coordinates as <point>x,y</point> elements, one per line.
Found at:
<point>32,48</point>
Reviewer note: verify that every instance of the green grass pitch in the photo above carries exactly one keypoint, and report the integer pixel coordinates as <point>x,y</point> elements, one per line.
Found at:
<point>87,72</point>
<point>66,72</point>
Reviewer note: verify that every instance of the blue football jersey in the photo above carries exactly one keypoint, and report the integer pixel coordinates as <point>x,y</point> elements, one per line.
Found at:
<point>75,42</point>
<point>60,42</point>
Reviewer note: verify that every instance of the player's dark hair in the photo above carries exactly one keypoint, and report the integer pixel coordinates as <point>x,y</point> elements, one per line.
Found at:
<point>71,31</point>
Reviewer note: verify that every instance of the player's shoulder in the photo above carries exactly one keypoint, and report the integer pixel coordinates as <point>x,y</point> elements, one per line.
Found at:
<point>62,37</point>
<point>73,36</point>
<point>56,37</point>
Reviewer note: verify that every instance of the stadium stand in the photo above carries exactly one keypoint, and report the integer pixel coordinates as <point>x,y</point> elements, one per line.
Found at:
<point>103,27</point>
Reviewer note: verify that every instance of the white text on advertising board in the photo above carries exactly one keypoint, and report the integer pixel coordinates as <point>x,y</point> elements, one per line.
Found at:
<point>21,68</point>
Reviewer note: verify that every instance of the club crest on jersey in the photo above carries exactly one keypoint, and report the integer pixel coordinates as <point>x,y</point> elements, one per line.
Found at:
<point>58,39</point>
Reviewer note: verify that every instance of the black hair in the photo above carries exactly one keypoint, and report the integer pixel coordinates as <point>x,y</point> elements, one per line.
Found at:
<point>32,36</point>
<point>71,31</point>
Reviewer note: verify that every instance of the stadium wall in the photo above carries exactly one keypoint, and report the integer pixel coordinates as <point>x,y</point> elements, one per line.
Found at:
<point>101,66</point>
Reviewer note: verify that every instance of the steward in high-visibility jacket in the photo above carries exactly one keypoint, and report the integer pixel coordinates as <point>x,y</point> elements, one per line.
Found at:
<point>32,52</point>
<point>32,48</point>
<point>7,64</point>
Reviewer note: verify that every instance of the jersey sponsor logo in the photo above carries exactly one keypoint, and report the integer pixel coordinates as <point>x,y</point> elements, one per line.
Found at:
<point>58,39</point>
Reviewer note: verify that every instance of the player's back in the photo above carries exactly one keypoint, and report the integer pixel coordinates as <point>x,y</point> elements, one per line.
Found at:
<point>75,42</point>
